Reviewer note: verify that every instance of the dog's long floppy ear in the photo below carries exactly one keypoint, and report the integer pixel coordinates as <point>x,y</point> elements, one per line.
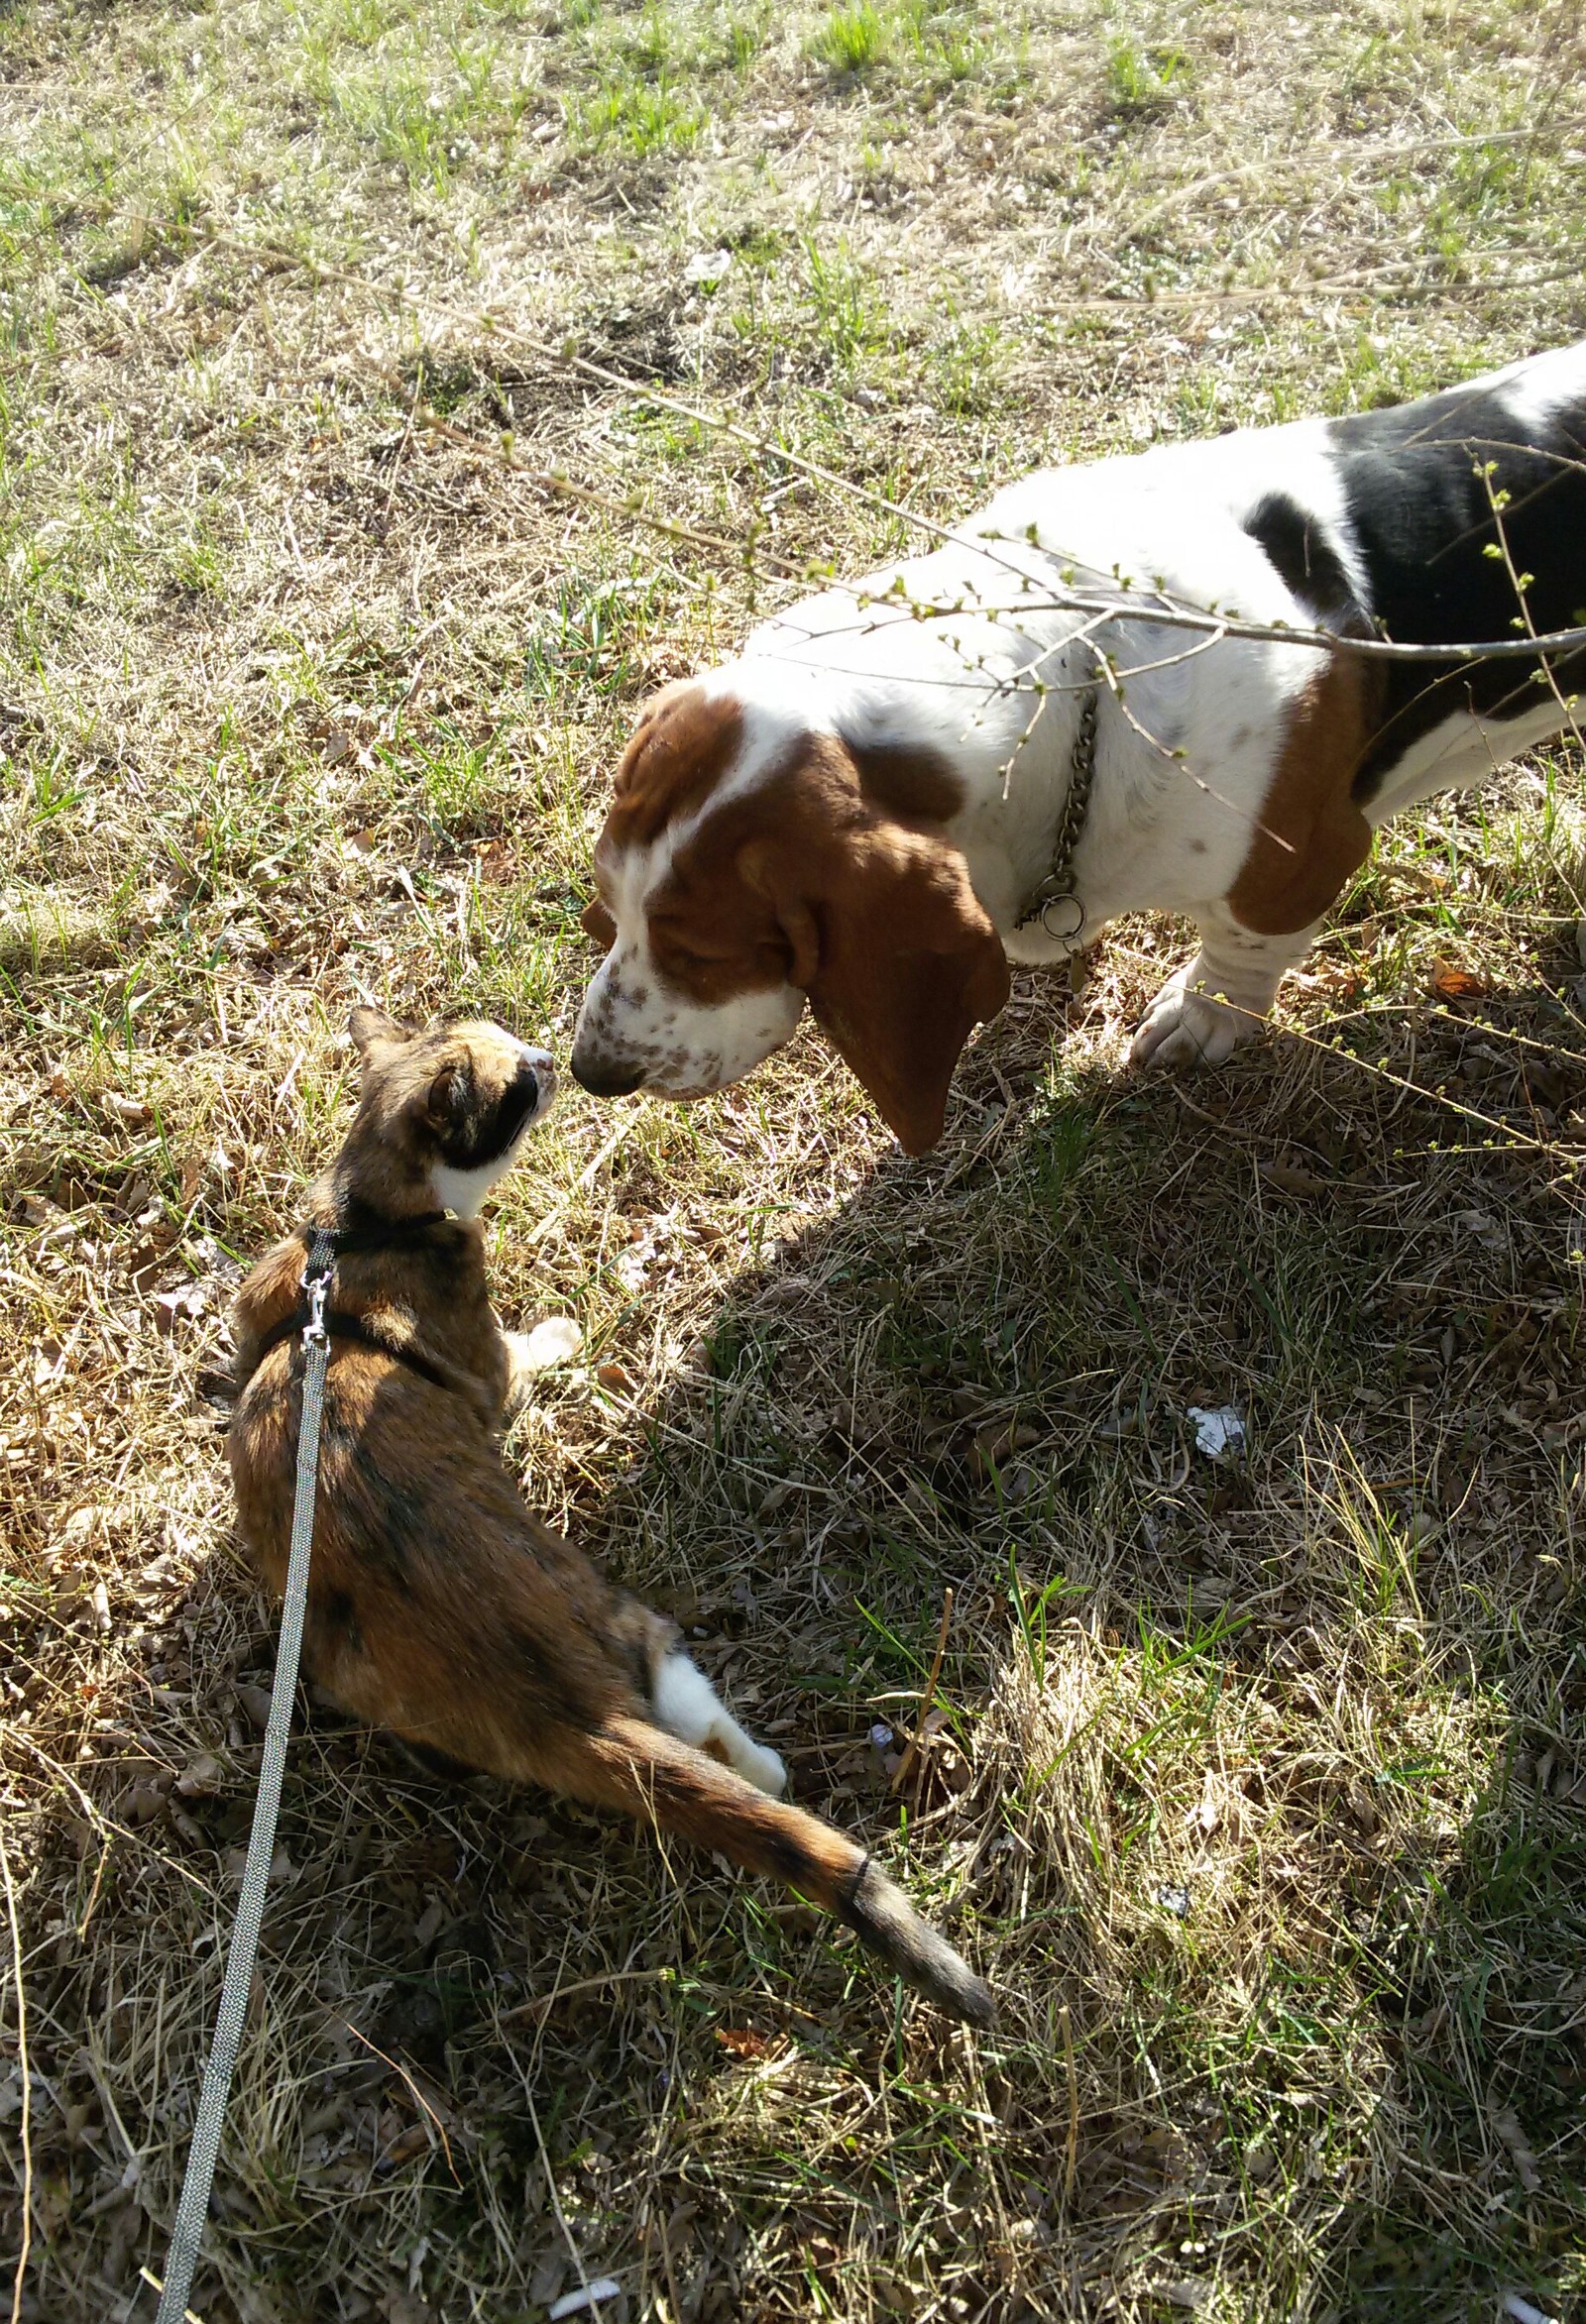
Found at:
<point>598,923</point>
<point>898,958</point>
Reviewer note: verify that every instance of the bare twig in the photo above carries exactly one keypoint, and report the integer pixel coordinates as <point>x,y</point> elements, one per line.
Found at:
<point>917,1741</point>
<point>1071,2161</point>
<point>419,2100</point>
<point>568,2236</point>
<point>1511,1137</point>
<point>1178,615</point>
<point>1520,585</point>
<point>676,2316</point>
<point>581,1186</point>
<point>537,2011</point>
<point>1270,164</point>
<point>566,487</point>
<point>27,2089</point>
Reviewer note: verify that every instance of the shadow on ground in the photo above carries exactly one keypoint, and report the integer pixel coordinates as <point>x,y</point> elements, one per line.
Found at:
<point>1253,1784</point>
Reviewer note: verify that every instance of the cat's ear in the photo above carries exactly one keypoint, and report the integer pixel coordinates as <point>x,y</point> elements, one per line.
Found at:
<point>447,1097</point>
<point>371,1026</point>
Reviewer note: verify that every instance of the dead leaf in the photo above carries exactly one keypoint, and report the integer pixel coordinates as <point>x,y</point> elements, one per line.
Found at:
<point>498,864</point>
<point>172,1307</point>
<point>613,1377</point>
<point>413,2141</point>
<point>37,1211</point>
<point>51,2204</point>
<point>254,1702</point>
<point>550,2273</point>
<point>743,2042</point>
<point>1287,1180</point>
<point>406,2308</point>
<point>993,1446</point>
<point>134,1198</point>
<point>147,1800</point>
<point>1507,2124</point>
<point>1451,983</point>
<point>201,1778</point>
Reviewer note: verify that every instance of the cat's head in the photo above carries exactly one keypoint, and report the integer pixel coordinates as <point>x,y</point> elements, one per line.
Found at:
<point>448,1107</point>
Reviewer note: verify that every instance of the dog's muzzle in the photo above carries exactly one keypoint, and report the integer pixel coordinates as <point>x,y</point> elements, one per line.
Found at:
<point>605,1076</point>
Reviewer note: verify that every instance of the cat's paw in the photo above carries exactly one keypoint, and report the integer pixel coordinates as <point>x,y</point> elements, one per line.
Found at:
<point>756,1762</point>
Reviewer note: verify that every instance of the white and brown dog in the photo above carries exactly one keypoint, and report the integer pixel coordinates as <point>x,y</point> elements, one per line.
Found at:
<point>867,810</point>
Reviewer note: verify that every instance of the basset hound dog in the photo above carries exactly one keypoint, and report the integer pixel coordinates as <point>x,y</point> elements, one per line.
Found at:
<point>983,754</point>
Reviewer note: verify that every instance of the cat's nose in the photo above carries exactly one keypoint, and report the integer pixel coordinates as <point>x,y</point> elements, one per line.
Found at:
<point>541,1069</point>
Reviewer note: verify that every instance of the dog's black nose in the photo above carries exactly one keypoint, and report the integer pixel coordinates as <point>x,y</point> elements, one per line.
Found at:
<point>605,1076</point>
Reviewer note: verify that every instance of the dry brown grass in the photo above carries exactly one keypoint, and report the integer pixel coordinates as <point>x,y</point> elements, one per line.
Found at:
<point>1260,1791</point>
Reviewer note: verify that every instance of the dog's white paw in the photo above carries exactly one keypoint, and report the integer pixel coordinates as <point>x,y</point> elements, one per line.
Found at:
<point>1184,1027</point>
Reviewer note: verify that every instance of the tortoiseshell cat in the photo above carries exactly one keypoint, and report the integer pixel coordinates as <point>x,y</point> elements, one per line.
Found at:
<point>438,1606</point>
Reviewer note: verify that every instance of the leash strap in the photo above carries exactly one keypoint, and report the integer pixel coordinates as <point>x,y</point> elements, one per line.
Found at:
<point>181,2258</point>
<point>377,1234</point>
<point>340,1326</point>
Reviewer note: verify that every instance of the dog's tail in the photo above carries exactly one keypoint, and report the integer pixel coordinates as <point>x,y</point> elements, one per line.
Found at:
<point>641,1768</point>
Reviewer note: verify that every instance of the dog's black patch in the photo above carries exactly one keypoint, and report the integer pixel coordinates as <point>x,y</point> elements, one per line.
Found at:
<point>1419,482</point>
<point>1306,559</point>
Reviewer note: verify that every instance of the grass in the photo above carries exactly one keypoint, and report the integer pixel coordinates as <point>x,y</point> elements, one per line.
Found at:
<point>1259,1789</point>
<point>849,40</point>
<point>932,46</point>
<point>1144,80</point>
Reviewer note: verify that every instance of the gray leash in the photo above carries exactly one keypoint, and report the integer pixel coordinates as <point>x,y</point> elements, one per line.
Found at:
<point>191,2212</point>
<point>1057,889</point>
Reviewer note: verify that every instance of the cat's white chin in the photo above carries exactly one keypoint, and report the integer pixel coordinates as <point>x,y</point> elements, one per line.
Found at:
<point>464,1191</point>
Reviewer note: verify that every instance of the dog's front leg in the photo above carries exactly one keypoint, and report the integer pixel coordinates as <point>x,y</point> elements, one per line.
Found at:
<point>1219,998</point>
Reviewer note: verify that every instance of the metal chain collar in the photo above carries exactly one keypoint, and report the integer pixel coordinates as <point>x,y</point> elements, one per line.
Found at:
<point>1058,886</point>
